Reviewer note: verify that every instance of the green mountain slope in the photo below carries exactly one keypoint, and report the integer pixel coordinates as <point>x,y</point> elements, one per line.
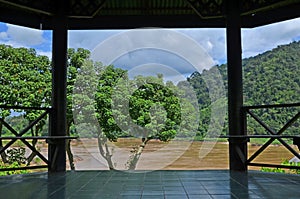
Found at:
<point>269,78</point>
<point>273,77</point>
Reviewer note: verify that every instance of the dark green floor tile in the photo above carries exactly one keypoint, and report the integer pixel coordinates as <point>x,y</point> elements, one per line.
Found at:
<point>134,193</point>
<point>152,193</point>
<point>152,197</point>
<point>129,197</point>
<point>174,192</point>
<point>199,197</point>
<point>218,191</point>
<point>196,191</point>
<point>176,196</point>
<point>221,196</point>
<point>153,187</point>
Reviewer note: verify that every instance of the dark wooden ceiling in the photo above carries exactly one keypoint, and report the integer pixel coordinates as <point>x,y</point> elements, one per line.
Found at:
<point>118,14</point>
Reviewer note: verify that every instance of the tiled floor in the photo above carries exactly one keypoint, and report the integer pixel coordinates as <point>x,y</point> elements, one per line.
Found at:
<point>156,185</point>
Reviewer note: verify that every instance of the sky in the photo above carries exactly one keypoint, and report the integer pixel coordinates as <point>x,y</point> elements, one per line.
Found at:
<point>137,50</point>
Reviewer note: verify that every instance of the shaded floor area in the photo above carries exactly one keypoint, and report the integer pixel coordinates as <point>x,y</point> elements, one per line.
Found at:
<point>156,184</point>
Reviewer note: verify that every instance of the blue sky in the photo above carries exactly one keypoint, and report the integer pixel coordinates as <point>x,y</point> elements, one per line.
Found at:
<point>213,41</point>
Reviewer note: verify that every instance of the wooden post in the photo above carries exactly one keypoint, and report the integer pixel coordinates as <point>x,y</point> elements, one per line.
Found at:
<point>57,150</point>
<point>237,148</point>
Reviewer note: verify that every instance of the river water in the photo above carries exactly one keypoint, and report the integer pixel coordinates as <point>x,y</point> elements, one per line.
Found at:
<point>176,155</point>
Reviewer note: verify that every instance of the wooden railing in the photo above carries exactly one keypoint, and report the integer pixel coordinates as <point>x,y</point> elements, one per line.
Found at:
<point>271,136</point>
<point>53,140</point>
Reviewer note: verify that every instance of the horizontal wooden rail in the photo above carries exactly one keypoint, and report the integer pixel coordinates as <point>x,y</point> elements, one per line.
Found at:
<point>25,108</point>
<point>273,165</point>
<point>271,106</point>
<point>24,168</point>
<point>260,136</point>
<point>39,137</point>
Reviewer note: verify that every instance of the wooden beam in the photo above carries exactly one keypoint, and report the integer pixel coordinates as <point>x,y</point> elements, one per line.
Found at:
<point>26,19</point>
<point>128,22</point>
<point>25,15</point>
<point>26,7</point>
<point>271,16</point>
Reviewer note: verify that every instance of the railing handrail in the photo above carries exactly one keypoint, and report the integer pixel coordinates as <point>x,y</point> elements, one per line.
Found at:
<point>271,106</point>
<point>25,108</point>
<point>258,136</point>
<point>38,137</point>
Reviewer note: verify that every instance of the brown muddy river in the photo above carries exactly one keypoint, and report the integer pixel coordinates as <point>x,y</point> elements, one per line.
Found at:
<point>176,155</point>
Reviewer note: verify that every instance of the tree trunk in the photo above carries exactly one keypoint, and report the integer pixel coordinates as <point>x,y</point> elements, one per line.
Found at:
<point>68,149</point>
<point>132,162</point>
<point>104,151</point>
<point>3,155</point>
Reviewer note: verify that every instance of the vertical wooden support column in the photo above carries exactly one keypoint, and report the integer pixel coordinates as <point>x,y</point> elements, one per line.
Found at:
<point>57,149</point>
<point>237,147</point>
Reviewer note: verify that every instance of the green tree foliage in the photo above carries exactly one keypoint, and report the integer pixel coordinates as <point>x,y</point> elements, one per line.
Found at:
<point>24,81</point>
<point>76,59</point>
<point>25,78</point>
<point>272,78</point>
<point>269,78</point>
<point>143,107</point>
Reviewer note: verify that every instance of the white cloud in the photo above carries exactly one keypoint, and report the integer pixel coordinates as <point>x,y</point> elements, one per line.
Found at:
<point>261,39</point>
<point>174,42</point>
<point>3,36</point>
<point>152,69</point>
<point>45,53</point>
<point>22,36</point>
<point>18,36</point>
<point>213,40</point>
<point>88,39</point>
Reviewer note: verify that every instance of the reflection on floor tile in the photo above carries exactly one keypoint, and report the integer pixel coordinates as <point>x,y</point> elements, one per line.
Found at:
<point>208,184</point>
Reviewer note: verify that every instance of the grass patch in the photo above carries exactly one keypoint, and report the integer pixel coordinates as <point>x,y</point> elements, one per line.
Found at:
<point>261,141</point>
<point>12,165</point>
<point>280,170</point>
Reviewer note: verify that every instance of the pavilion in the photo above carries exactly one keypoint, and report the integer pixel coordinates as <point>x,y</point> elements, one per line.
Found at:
<point>61,16</point>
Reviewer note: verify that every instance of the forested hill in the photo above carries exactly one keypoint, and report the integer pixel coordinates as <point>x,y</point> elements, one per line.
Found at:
<point>272,77</point>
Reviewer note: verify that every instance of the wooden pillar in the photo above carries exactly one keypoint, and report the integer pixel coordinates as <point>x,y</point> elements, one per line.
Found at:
<point>57,149</point>
<point>237,147</point>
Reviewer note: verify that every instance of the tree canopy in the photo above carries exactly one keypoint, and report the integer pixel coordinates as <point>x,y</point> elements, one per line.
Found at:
<point>143,107</point>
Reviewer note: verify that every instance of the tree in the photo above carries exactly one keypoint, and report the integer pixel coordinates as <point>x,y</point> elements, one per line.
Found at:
<point>76,59</point>
<point>142,107</point>
<point>25,80</point>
